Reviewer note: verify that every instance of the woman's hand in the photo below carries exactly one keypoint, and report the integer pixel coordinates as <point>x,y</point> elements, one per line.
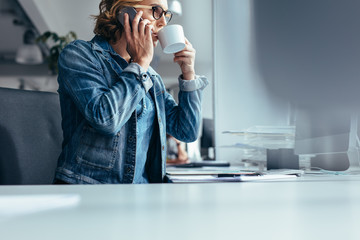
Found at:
<point>139,41</point>
<point>186,61</point>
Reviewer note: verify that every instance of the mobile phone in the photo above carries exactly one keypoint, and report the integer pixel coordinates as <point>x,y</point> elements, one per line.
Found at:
<point>131,12</point>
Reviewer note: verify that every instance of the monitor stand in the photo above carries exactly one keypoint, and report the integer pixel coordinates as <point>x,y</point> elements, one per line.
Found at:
<point>328,140</point>
<point>354,147</point>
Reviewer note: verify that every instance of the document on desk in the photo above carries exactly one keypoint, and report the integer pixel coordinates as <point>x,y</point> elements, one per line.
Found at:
<point>209,171</point>
<point>224,176</point>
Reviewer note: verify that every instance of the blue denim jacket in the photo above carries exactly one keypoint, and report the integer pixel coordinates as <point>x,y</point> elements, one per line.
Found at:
<point>99,92</point>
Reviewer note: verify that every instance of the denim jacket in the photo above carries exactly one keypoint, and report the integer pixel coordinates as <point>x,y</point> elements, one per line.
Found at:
<point>99,93</point>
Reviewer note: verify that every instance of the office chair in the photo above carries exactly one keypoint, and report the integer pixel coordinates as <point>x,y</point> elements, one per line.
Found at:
<point>30,136</point>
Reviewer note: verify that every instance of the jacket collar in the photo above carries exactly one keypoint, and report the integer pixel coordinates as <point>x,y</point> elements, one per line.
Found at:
<point>100,44</point>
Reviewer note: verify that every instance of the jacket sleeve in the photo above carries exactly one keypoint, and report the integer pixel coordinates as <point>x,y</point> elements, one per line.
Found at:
<point>106,108</point>
<point>183,120</point>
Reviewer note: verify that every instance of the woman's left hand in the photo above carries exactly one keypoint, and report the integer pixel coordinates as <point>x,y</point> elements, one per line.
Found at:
<point>186,61</point>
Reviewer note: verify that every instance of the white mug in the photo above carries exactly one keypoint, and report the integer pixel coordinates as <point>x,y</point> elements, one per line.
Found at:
<point>172,38</point>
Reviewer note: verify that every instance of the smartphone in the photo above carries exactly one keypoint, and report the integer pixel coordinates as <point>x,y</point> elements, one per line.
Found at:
<point>129,10</point>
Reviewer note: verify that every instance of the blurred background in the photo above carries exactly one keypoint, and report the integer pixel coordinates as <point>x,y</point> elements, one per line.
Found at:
<point>265,60</point>
<point>19,17</point>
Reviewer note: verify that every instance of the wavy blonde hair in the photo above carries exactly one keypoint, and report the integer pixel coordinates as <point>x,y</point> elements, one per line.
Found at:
<point>106,23</point>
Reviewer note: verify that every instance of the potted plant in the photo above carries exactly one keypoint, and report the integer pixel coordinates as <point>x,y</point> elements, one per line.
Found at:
<point>58,43</point>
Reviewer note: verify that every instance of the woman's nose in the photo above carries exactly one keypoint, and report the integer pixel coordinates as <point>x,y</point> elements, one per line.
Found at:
<point>161,22</point>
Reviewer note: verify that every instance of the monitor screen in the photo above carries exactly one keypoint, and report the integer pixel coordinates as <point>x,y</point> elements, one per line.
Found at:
<point>308,53</point>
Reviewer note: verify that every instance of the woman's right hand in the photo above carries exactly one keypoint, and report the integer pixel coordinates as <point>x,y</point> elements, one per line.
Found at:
<point>139,41</point>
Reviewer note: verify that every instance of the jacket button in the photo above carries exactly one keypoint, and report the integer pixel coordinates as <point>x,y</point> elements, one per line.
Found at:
<point>163,147</point>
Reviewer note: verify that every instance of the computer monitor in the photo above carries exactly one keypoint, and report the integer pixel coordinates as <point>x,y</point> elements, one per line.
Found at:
<point>207,139</point>
<point>308,53</point>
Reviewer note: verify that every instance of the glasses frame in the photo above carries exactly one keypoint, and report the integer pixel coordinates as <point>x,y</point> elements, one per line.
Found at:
<point>154,9</point>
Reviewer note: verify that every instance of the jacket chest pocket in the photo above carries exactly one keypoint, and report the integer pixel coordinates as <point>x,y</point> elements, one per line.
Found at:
<point>97,150</point>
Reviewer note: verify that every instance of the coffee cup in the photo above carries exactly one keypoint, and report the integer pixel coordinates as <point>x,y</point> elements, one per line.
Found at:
<point>172,38</point>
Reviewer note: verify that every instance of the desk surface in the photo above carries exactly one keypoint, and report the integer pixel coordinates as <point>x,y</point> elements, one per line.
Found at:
<point>324,209</point>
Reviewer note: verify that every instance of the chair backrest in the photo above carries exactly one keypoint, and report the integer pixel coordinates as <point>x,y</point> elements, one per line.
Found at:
<point>30,136</point>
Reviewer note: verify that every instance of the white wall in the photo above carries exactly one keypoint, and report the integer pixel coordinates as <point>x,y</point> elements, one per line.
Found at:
<point>241,97</point>
<point>63,16</point>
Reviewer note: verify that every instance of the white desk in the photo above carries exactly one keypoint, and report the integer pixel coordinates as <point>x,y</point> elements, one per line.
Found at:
<point>271,210</point>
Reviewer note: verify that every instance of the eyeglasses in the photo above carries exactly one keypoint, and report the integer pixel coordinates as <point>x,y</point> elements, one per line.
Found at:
<point>158,12</point>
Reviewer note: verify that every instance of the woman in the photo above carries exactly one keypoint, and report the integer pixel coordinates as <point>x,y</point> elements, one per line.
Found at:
<point>115,109</point>
<point>175,154</point>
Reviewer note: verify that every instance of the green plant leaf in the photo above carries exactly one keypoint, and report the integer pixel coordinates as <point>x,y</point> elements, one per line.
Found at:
<point>59,43</point>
